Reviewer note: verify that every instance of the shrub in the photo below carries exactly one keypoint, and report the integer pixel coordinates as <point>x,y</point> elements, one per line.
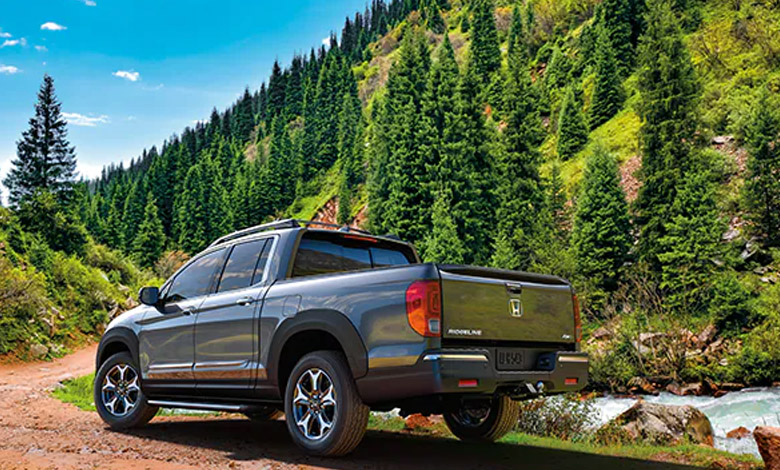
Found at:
<point>730,305</point>
<point>568,417</point>
<point>22,297</point>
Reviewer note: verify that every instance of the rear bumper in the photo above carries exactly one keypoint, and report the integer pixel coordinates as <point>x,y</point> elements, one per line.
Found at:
<point>473,371</point>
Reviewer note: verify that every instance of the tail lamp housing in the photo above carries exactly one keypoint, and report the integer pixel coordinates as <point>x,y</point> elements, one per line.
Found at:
<point>423,307</point>
<point>577,319</point>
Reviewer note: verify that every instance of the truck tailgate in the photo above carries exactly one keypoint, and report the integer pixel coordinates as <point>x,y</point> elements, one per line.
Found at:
<point>498,305</point>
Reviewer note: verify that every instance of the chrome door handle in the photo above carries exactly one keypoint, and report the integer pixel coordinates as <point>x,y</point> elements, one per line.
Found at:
<point>244,301</point>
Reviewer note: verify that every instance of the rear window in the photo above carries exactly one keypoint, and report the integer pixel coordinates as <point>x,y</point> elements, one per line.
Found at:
<point>325,253</point>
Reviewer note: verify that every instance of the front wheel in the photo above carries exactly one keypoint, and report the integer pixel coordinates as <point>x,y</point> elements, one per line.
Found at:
<point>324,413</point>
<point>483,420</point>
<point>119,400</point>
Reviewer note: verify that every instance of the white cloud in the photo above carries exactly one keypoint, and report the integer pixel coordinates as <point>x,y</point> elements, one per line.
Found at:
<point>52,26</point>
<point>4,34</point>
<point>326,41</point>
<point>76,119</point>
<point>127,75</point>
<point>8,69</point>
<point>13,42</point>
<point>89,3</point>
<point>41,48</point>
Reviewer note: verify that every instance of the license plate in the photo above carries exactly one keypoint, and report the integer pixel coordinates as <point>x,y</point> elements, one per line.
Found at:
<point>509,359</point>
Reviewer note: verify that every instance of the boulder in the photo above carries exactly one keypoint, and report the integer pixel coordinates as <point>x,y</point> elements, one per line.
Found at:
<point>601,333</point>
<point>665,424</point>
<point>768,440</point>
<point>707,335</point>
<point>739,433</point>
<point>417,421</point>
<point>642,385</point>
<point>38,351</point>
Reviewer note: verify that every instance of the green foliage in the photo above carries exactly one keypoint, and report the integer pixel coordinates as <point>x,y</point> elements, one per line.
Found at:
<point>443,245</point>
<point>731,305</point>
<point>565,417</point>
<point>601,237</point>
<point>690,248</point>
<point>670,94</point>
<point>58,226</point>
<point>485,54</point>
<point>762,183</point>
<point>608,92</point>
<point>45,161</point>
<point>759,361</point>
<point>572,129</point>
<point>150,240</point>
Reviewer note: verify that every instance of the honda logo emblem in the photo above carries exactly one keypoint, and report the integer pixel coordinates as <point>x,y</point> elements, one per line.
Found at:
<point>516,308</point>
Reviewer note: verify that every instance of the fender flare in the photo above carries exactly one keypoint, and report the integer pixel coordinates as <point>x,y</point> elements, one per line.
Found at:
<point>330,321</point>
<point>116,335</point>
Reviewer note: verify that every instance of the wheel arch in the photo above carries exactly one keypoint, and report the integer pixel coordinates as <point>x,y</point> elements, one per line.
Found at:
<point>114,341</point>
<point>314,330</point>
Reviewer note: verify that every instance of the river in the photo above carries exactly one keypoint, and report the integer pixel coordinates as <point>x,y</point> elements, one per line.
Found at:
<point>749,408</point>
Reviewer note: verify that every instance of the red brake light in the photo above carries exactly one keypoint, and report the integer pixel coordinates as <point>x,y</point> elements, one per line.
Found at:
<point>577,319</point>
<point>423,307</point>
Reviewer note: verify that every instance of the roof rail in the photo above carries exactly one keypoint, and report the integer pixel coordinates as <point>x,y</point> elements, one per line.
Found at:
<point>275,225</point>
<point>284,223</point>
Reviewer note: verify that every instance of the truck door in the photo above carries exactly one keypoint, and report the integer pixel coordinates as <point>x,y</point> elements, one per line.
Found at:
<point>226,336</point>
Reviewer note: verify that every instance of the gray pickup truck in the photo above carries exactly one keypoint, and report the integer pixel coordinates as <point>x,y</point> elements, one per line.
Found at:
<point>326,325</point>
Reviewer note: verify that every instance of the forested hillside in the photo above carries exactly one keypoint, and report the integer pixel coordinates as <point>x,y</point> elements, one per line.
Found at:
<point>628,146</point>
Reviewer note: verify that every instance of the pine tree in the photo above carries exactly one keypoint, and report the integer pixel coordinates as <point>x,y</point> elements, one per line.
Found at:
<point>349,152</point>
<point>431,14</point>
<point>669,91</point>
<point>45,160</point>
<point>243,118</point>
<point>443,244</point>
<point>133,212</point>
<point>690,246</point>
<point>608,94</point>
<point>572,129</point>
<point>276,91</point>
<point>485,53</point>
<point>762,184</point>
<point>617,21</point>
<point>519,193</point>
<point>601,236</point>
<point>150,239</point>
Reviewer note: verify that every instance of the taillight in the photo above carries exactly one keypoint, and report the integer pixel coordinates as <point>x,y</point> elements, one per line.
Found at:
<point>577,319</point>
<point>423,307</point>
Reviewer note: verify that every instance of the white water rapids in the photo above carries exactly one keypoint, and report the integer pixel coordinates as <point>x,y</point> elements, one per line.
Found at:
<point>749,408</point>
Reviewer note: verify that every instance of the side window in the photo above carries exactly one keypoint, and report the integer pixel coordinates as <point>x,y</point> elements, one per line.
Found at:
<point>263,263</point>
<point>323,257</point>
<point>196,279</point>
<point>383,257</point>
<point>240,269</point>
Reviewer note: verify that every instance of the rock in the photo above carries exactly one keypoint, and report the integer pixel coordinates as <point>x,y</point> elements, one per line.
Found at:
<point>739,433</point>
<point>768,440</point>
<point>674,388</point>
<point>649,338</point>
<point>666,424</point>
<point>642,385</point>
<point>38,351</point>
<point>720,393</point>
<point>731,386</point>
<point>114,312</point>
<point>417,421</point>
<point>692,389</point>
<point>707,335</point>
<point>731,234</point>
<point>601,333</point>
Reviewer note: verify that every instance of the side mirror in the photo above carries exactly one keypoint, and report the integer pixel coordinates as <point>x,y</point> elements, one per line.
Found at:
<point>149,295</point>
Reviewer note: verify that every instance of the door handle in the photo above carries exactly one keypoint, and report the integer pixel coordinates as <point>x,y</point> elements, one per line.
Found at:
<point>186,312</point>
<point>514,288</point>
<point>244,301</point>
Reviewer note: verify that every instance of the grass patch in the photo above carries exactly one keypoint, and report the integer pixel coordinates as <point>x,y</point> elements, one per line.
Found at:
<point>77,391</point>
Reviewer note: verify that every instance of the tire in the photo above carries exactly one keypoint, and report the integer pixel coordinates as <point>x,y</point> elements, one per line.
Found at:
<point>337,404</point>
<point>265,413</point>
<point>123,388</point>
<point>486,423</point>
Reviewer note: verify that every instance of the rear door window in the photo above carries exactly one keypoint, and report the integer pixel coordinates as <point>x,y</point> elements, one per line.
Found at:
<point>324,253</point>
<point>241,265</point>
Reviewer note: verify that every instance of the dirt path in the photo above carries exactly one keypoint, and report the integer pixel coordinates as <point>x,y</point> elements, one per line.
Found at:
<point>39,432</point>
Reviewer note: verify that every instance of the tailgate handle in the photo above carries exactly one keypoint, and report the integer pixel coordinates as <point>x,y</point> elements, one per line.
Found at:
<point>514,288</point>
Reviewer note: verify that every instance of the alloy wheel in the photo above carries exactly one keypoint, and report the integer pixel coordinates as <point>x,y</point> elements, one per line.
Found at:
<point>314,404</point>
<point>120,390</point>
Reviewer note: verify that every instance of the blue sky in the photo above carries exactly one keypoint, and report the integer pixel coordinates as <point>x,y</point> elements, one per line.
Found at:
<point>132,72</point>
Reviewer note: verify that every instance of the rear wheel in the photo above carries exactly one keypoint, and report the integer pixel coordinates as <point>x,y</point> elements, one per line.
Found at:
<point>119,400</point>
<point>265,413</point>
<point>324,413</point>
<point>483,420</point>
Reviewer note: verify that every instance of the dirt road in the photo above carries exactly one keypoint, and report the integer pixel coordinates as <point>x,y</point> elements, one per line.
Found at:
<point>39,432</point>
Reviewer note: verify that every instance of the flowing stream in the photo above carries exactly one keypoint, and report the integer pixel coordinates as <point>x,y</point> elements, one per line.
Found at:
<point>749,408</point>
